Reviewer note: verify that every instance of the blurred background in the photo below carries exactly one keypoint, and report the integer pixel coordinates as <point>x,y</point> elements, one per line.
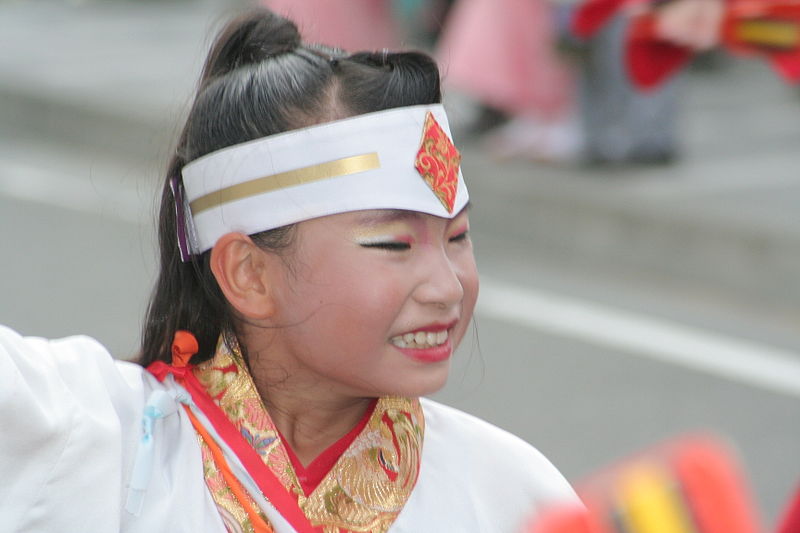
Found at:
<point>639,252</point>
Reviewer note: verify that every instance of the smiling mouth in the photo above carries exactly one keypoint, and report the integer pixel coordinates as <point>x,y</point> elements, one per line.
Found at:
<point>421,339</point>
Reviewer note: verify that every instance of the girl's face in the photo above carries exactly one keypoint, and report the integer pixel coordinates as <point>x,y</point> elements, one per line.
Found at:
<point>374,303</point>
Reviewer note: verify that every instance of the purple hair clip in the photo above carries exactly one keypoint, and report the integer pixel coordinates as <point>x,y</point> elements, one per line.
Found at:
<point>181,214</point>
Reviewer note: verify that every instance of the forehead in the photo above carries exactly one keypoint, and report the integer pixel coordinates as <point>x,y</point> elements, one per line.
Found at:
<point>381,220</point>
<point>374,217</point>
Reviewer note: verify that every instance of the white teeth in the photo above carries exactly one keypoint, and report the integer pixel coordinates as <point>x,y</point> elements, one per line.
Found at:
<point>420,339</point>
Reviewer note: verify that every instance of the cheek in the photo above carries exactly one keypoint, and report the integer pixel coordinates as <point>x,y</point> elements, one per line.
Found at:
<point>470,283</point>
<point>359,304</point>
<point>468,277</point>
<point>467,272</point>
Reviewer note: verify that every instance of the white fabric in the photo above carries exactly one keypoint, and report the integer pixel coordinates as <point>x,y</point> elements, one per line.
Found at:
<point>395,135</point>
<point>475,477</point>
<point>71,424</point>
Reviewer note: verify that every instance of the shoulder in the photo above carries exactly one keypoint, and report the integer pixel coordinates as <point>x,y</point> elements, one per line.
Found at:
<point>78,366</point>
<point>492,450</point>
<point>453,422</point>
<point>478,477</point>
<point>12,344</point>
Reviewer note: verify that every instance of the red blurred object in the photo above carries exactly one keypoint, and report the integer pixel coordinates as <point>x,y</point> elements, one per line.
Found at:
<point>564,520</point>
<point>651,61</point>
<point>714,488</point>
<point>790,522</point>
<point>592,15</point>
<point>766,28</point>
<point>689,485</point>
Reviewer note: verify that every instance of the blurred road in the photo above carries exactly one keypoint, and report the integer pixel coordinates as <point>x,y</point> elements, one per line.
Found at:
<point>619,307</point>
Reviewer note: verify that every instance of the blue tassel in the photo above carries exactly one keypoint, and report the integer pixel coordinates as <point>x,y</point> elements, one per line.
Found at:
<point>160,404</point>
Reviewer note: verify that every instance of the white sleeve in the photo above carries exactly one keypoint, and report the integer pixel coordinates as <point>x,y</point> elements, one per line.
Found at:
<point>64,406</point>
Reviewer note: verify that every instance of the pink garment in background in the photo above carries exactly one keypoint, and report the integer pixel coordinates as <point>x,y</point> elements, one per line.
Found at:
<point>502,52</point>
<point>354,25</point>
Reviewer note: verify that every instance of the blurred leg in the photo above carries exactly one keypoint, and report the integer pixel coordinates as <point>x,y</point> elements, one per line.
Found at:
<point>620,123</point>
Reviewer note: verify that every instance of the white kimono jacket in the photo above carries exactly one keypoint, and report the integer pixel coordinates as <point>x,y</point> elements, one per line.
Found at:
<point>71,423</point>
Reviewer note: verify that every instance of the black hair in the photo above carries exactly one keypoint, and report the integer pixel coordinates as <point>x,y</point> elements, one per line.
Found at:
<point>260,79</point>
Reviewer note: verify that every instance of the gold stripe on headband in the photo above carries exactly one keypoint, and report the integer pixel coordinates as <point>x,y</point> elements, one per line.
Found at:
<point>282,180</point>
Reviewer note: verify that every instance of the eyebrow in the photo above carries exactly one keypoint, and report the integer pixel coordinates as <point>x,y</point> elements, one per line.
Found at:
<point>386,216</point>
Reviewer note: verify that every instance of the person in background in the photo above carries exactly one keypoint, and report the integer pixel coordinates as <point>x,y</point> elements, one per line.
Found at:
<point>583,107</point>
<point>358,25</point>
<point>502,54</point>
<point>622,123</point>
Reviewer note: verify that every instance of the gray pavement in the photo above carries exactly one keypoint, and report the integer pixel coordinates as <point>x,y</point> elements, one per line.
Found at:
<point>90,98</point>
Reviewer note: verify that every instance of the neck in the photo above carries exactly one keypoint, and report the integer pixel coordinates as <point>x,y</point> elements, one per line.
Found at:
<point>309,419</point>
<point>309,427</point>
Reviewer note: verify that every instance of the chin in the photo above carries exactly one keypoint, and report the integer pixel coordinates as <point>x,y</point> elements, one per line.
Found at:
<point>425,385</point>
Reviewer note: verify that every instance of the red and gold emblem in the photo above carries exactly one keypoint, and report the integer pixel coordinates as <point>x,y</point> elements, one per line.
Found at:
<point>438,162</point>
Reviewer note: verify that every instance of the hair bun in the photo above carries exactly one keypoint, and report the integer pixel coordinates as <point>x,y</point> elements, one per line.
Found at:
<point>410,77</point>
<point>390,60</point>
<point>250,39</point>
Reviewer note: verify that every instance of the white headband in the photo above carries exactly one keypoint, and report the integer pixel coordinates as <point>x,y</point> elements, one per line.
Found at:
<point>401,158</point>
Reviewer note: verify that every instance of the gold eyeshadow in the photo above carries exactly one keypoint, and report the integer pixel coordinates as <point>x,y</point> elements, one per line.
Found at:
<point>382,232</point>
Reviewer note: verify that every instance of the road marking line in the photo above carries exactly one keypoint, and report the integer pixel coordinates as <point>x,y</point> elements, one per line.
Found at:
<point>738,360</point>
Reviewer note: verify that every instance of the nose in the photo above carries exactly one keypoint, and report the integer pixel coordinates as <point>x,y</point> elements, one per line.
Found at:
<point>441,284</point>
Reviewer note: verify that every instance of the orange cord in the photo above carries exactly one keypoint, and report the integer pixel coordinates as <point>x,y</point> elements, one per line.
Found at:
<point>258,522</point>
<point>184,346</point>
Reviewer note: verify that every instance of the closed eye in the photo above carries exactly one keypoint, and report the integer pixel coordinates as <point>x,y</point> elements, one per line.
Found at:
<point>389,245</point>
<point>460,237</point>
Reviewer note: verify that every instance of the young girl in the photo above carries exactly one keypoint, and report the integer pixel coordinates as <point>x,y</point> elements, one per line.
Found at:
<point>316,277</point>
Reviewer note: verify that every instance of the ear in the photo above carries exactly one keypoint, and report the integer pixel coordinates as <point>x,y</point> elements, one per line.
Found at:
<point>240,268</point>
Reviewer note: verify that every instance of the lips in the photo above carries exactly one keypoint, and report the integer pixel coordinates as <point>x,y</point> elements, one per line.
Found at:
<point>427,344</point>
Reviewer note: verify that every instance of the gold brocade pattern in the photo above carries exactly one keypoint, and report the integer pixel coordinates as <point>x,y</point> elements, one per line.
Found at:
<point>366,488</point>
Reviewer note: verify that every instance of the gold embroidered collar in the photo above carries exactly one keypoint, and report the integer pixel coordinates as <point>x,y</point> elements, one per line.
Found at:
<point>366,488</point>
